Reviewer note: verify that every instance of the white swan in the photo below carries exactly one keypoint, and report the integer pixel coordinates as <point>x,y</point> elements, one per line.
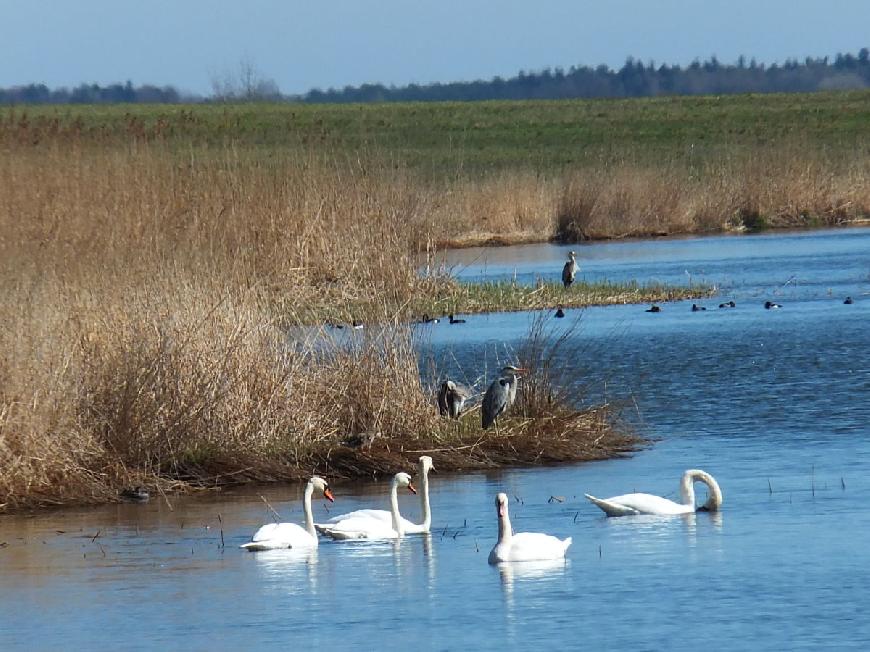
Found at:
<point>383,515</point>
<point>290,535</point>
<point>631,504</point>
<point>359,525</point>
<point>526,546</point>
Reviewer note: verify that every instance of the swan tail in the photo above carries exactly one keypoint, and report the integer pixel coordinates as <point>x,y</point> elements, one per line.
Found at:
<point>345,535</point>
<point>610,508</point>
<point>254,546</point>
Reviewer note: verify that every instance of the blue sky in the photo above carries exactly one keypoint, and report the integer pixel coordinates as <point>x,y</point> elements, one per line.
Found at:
<point>333,43</point>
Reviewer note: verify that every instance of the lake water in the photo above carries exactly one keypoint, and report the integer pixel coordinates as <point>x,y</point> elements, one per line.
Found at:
<point>772,403</point>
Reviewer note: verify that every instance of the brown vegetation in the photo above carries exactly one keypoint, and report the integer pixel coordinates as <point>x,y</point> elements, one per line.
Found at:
<point>148,325</point>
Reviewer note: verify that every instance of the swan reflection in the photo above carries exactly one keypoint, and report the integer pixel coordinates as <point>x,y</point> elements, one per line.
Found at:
<point>293,570</point>
<point>514,573</point>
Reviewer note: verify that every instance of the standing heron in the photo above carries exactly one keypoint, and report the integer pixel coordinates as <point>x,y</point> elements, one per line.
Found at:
<point>451,399</point>
<point>569,271</point>
<point>500,395</point>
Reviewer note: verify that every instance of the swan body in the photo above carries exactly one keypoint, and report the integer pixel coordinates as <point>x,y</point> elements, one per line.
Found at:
<point>525,546</point>
<point>633,504</point>
<point>273,536</point>
<point>386,517</point>
<point>369,523</point>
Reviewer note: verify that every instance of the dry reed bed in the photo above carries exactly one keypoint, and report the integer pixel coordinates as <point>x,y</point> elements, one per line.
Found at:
<point>144,325</point>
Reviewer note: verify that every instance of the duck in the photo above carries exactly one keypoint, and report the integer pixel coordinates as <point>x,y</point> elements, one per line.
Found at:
<point>274,536</point>
<point>559,313</point>
<point>455,321</point>
<point>429,320</point>
<point>653,308</point>
<point>136,494</point>
<point>848,301</point>
<point>524,546</point>
<point>697,308</point>
<point>770,305</point>
<point>638,503</point>
<point>728,304</point>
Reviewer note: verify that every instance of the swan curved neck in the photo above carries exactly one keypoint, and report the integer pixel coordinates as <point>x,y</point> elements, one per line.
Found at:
<point>306,507</point>
<point>687,490</point>
<point>394,508</point>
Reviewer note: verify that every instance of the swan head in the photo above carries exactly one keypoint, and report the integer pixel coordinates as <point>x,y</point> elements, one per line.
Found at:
<point>323,487</point>
<point>426,464</point>
<point>402,479</point>
<point>501,504</point>
<point>714,493</point>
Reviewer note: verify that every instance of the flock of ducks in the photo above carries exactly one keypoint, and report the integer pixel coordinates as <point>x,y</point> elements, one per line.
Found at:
<point>380,524</point>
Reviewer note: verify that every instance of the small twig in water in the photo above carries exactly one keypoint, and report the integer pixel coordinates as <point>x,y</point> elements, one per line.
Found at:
<point>558,499</point>
<point>220,520</point>
<point>94,538</point>
<point>272,509</point>
<point>843,484</point>
<point>769,487</point>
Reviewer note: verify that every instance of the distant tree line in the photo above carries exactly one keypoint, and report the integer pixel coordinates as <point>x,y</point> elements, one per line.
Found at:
<point>89,94</point>
<point>634,79</point>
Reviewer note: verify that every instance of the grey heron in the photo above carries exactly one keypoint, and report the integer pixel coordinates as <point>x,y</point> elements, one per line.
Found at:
<point>500,395</point>
<point>451,398</point>
<point>569,271</point>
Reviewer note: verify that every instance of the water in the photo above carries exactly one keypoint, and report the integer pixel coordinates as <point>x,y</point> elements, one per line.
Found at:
<point>772,403</point>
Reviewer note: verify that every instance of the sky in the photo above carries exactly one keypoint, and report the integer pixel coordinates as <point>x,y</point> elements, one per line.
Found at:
<point>333,43</point>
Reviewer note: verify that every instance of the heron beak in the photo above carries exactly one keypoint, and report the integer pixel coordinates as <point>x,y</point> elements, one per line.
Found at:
<point>327,493</point>
<point>411,488</point>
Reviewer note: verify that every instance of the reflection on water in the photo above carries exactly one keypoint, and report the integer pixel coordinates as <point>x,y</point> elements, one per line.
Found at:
<point>773,404</point>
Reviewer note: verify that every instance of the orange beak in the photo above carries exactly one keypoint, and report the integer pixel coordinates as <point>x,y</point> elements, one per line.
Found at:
<point>327,493</point>
<point>411,488</point>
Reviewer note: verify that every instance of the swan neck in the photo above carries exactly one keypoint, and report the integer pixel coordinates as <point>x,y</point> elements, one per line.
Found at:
<point>306,507</point>
<point>394,507</point>
<point>504,527</point>
<point>424,498</point>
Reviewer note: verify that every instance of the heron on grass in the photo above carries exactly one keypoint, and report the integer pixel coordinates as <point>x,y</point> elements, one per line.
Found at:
<point>500,395</point>
<point>451,398</point>
<point>569,271</point>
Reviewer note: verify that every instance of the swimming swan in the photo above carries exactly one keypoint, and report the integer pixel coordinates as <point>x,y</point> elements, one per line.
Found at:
<point>359,525</point>
<point>290,535</point>
<point>526,546</point>
<point>383,515</point>
<point>631,504</point>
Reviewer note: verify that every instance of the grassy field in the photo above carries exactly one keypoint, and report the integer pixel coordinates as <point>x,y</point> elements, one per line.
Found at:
<point>501,172</point>
<point>152,258</point>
